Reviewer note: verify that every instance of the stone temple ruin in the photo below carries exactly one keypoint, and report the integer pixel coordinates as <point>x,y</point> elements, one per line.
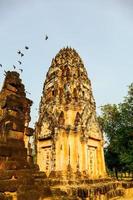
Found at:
<point>18,173</point>
<point>68,135</point>
<point>69,162</point>
<point>14,121</point>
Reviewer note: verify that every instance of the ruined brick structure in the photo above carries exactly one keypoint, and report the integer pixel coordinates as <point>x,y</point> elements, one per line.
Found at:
<point>69,140</point>
<point>14,121</point>
<point>18,175</point>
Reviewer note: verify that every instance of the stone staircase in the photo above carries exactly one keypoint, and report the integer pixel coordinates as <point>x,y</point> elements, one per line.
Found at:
<point>31,184</point>
<point>95,191</point>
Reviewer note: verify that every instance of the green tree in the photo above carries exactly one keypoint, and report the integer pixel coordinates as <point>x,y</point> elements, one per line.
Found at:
<point>117,123</point>
<point>110,123</point>
<point>126,131</point>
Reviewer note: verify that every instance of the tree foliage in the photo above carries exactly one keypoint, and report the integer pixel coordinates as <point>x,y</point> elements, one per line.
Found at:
<point>117,123</point>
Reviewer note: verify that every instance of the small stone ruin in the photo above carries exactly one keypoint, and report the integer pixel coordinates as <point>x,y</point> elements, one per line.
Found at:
<point>19,177</point>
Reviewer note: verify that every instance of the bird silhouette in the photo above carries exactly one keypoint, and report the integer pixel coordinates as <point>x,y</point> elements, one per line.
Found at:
<point>0,65</point>
<point>14,66</point>
<point>26,47</point>
<point>19,52</point>
<point>46,37</point>
<point>19,62</point>
<point>21,70</point>
<point>22,54</point>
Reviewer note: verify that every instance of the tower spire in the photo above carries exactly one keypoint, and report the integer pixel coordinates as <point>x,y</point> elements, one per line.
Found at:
<point>68,107</point>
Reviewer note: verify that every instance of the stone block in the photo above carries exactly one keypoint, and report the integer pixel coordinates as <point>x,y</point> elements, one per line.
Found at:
<point>8,185</point>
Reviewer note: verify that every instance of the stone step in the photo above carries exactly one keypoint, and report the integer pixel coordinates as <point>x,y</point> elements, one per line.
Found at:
<point>119,192</point>
<point>88,192</point>
<point>40,175</point>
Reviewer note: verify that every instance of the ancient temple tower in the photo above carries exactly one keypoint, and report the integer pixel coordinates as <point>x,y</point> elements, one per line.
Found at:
<point>14,123</point>
<point>68,134</point>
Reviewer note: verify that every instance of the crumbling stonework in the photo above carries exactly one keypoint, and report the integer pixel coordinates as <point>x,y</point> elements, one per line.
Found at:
<point>14,121</point>
<point>69,140</point>
<point>19,177</point>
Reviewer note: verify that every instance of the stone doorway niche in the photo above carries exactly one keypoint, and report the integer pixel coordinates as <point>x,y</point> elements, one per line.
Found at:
<point>92,161</point>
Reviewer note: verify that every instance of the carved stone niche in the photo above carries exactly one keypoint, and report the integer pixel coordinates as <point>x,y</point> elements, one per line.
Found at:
<point>60,95</point>
<point>75,94</point>
<point>77,119</point>
<point>68,74</point>
<point>61,120</point>
<point>68,97</point>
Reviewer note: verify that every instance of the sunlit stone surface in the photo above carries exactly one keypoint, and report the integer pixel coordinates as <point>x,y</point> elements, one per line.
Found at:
<point>14,122</point>
<point>18,174</point>
<point>68,135</point>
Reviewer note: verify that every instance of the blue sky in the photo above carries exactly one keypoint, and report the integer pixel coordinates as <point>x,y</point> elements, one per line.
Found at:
<point>100,30</point>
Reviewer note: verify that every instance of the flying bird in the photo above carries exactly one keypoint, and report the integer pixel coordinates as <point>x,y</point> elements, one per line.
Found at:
<point>14,66</point>
<point>46,37</point>
<point>19,52</point>
<point>22,54</point>
<point>19,62</point>
<point>0,65</point>
<point>21,70</point>
<point>26,47</point>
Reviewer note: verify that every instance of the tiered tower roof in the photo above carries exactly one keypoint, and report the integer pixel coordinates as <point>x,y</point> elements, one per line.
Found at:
<point>67,87</point>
